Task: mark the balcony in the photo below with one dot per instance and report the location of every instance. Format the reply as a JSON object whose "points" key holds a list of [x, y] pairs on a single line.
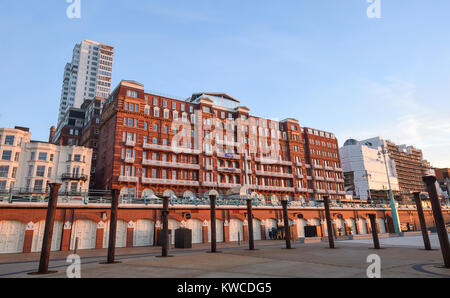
{"points": [[298, 164], [228, 170], [342, 193], [317, 166], [274, 174], [130, 143], [228, 155], [309, 177], [227, 143], [169, 182], [276, 188], [74, 177], [209, 184], [228, 185], [311, 190], [340, 180], [319, 178], [329, 168], [129, 159], [308, 166], [128, 179], [301, 189], [299, 176], [273, 161], [157, 147], [338, 170], [321, 191], [168, 164], [208, 168]]}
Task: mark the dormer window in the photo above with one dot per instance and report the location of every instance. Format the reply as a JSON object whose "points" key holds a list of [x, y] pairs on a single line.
{"points": [[131, 93]]}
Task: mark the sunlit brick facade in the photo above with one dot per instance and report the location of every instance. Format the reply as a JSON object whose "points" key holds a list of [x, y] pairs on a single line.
{"points": [[222, 147]]}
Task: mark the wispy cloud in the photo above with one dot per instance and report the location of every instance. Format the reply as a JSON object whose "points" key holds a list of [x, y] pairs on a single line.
{"points": [[408, 120]]}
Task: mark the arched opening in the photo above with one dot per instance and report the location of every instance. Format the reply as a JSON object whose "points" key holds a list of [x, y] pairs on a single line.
{"points": [[86, 232], [38, 236], [301, 224], [12, 236], [195, 226], [143, 233], [256, 229], [381, 225], [219, 231], [362, 226], [351, 226], [236, 229], [340, 227], [128, 193], [148, 193], [270, 225], [121, 234], [173, 225]]}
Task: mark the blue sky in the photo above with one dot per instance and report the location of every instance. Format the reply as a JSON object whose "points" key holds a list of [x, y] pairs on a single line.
{"points": [[323, 62]]}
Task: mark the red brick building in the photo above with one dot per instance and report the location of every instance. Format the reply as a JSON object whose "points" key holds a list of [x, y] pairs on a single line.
{"points": [[151, 143]]}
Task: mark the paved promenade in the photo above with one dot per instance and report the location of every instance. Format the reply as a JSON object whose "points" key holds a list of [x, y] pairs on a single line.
{"points": [[400, 257]]}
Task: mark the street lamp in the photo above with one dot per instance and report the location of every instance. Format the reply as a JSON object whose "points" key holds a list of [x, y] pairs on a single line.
{"points": [[394, 211]]}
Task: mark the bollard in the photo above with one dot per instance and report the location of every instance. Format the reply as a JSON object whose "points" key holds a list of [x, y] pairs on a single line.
{"points": [[239, 239], [287, 233], [212, 199], [373, 224], [113, 227], [326, 202], [251, 242], [430, 181], [423, 224], [48, 231], [165, 220]]}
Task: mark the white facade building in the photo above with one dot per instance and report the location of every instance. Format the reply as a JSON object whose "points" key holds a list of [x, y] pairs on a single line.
{"points": [[12, 145], [87, 76], [365, 161], [36, 164]]}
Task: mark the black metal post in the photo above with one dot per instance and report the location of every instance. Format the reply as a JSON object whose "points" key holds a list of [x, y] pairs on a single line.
{"points": [[287, 232], [438, 218], [212, 199], [373, 224], [251, 241], [165, 220], [113, 227], [326, 203], [48, 231], [423, 224]]}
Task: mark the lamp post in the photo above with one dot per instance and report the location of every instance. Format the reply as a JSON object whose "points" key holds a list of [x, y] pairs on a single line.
{"points": [[394, 211]]}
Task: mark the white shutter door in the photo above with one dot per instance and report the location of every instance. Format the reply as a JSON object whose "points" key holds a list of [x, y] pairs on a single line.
{"points": [[143, 233], [38, 236], [12, 236]]}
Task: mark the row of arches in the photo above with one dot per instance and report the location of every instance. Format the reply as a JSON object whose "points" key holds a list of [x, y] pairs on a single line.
{"points": [[12, 233]]}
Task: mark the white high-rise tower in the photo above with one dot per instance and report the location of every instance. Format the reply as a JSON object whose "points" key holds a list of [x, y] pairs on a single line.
{"points": [[87, 76]]}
